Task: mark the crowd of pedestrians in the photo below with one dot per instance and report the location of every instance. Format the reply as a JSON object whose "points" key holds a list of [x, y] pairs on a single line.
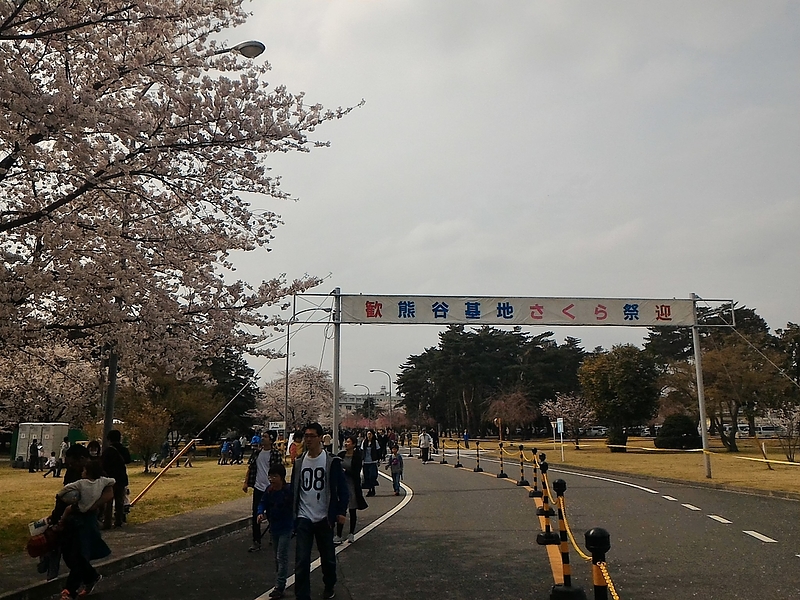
{"points": [[324, 495]]}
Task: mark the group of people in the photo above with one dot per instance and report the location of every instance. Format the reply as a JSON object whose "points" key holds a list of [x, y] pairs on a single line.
{"points": [[325, 490]]}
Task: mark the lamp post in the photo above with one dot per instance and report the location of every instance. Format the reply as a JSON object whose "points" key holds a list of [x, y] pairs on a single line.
{"points": [[286, 378], [390, 392], [369, 406]]}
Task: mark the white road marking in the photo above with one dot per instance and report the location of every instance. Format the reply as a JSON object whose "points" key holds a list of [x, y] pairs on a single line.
{"points": [[315, 565], [690, 506], [633, 485], [719, 519], [670, 498], [761, 536]]}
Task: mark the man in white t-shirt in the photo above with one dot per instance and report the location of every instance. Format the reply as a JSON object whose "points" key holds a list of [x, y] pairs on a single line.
{"points": [[257, 477], [320, 501], [425, 442]]}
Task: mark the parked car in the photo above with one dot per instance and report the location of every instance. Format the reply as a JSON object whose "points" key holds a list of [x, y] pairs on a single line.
{"points": [[596, 431]]}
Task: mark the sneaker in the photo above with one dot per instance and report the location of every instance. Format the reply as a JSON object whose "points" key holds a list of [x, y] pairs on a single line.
{"points": [[351, 538], [329, 593], [88, 589], [337, 540], [276, 593], [255, 547]]}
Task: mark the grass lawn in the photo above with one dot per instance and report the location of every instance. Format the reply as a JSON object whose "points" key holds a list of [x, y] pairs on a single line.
{"points": [[27, 496]]}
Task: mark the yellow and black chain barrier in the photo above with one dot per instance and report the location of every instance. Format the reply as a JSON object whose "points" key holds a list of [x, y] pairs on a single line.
{"points": [[603, 566]]}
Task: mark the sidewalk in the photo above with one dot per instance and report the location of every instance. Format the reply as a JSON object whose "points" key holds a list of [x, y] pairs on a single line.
{"points": [[130, 546]]}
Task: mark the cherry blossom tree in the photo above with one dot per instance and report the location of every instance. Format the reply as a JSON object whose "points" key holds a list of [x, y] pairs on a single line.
{"points": [[575, 411], [310, 398], [131, 142], [47, 384]]}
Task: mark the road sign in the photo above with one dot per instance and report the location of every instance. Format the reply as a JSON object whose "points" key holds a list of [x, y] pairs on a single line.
{"points": [[560, 425]]}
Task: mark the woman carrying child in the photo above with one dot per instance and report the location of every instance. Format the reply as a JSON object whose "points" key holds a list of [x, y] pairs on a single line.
{"points": [[80, 532], [351, 464]]}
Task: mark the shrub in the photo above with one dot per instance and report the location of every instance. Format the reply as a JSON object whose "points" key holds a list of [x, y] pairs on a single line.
{"points": [[678, 432]]}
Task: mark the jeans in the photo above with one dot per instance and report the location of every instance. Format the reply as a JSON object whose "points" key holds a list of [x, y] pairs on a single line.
{"points": [[396, 482], [371, 476], [280, 545], [257, 495], [307, 532], [118, 508]]}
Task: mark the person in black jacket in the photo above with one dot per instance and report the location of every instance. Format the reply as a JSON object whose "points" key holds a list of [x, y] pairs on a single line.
{"points": [[114, 458], [351, 464]]}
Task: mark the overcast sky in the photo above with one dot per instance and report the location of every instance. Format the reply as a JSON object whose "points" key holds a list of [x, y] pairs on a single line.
{"points": [[535, 148]]}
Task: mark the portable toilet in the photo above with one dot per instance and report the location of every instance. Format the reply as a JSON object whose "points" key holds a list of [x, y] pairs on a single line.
{"points": [[49, 435]]}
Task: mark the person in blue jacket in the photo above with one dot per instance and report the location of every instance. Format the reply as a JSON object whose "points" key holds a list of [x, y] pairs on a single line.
{"points": [[276, 508], [320, 500]]}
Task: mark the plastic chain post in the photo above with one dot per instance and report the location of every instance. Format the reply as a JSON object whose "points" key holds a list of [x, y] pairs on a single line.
{"points": [[598, 542], [547, 537], [444, 460], [502, 473], [477, 468], [535, 492], [458, 464], [565, 591], [522, 481]]}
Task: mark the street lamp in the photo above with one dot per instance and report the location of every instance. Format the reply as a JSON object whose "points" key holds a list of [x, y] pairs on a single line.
{"points": [[286, 378], [248, 49], [369, 406], [390, 392]]}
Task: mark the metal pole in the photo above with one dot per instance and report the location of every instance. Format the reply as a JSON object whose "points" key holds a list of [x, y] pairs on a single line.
{"points": [[286, 385], [337, 342], [701, 395], [108, 421], [390, 392]]}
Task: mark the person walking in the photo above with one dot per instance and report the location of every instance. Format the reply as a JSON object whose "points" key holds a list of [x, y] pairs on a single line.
{"points": [[276, 507], [466, 439], [257, 477], [320, 500], [425, 442], [62, 456], [370, 452], [395, 463], [80, 538], [351, 464], [114, 459], [33, 456]]}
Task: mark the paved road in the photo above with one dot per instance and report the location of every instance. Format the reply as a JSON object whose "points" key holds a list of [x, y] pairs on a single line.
{"points": [[464, 535]]}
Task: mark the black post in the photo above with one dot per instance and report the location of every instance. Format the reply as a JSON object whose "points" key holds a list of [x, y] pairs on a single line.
{"points": [[444, 460], [458, 464], [598, 542], [477, 468], [565, 591], [547, 537], [522, 481], [535, 492], [502, 473]]}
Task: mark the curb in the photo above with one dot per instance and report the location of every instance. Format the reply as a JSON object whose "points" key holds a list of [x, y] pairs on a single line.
{"points": [[128, 561]]}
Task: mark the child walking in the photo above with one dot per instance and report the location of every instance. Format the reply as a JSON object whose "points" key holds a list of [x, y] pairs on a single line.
{"points": [[395, 463], [276, 507]]}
